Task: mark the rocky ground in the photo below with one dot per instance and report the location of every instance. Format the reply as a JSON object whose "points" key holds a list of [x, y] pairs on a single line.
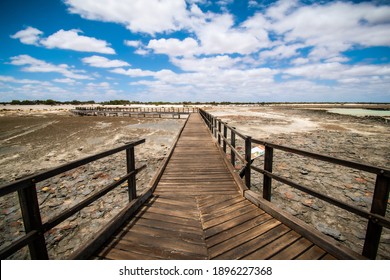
{"points": [[33, 141], [364, 140]]}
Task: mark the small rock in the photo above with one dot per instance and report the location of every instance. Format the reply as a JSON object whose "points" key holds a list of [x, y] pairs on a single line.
{"points": [[55, 204], [304, 172], [310, 203], [86, 192], [385, 238], [354, 197], [331, 232]]}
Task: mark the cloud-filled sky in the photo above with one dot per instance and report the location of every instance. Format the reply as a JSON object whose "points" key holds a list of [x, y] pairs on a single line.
{"points": [[195, 50]]}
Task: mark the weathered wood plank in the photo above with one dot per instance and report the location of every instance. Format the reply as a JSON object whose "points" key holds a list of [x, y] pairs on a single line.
{"points": [[274, 247], [293, 250], [227, 234], [254, 244], [230, 224], [242, 238], [313, 253]]}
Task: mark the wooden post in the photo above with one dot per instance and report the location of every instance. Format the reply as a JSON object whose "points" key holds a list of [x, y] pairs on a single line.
{"points": [[32, 221], [248, 148], [130, 159], [224, 135], [215, 126], [378, 206], [267, 181], [219, 132], [233, 143]]}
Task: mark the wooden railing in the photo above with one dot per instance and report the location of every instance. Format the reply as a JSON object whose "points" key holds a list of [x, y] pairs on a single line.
{"points": [[28, 199], [182, 110], [376, 216]]}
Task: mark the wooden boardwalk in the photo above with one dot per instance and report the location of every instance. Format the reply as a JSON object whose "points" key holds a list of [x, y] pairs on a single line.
{"points": [[197, 212]]}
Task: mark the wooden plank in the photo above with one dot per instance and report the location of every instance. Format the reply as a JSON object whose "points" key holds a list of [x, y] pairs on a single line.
{"points": [[179, 229], [313, 253], [293, 250], [328, 256], [254, 244], [227, 234], [221, 203], [173, 213], [194, 225], [242, 238], [170, 243], [274, 247], [231, 223], [117, 254], [215, 215], [229, 215], [146, 252], [147, 230]]}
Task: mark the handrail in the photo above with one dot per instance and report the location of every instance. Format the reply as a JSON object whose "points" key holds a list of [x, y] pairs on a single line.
{"points": [[338, 161], [38, 177], [183, 110], [28, 200], [376, 216]]}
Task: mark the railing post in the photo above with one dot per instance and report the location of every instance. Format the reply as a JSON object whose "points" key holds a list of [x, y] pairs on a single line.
{"points": [[32, 221], [378, 206], [248, 159], [215, 126], [219, 132], [267, 181], [224, 135], [131, 183], [233, 143]]}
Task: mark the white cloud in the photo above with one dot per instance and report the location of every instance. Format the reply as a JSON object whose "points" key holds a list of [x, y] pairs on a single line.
{"points": [[65, 81], [282, 51], [174, 47], [10, 79], [35, 65], [29, 36], [102, 62], [147, 16], [132, 43], [280, 9], [218, 36], [68, 40], [334, 27], [71, 40], [337, 71], [99, 85], [205, 64], [133, 72]]}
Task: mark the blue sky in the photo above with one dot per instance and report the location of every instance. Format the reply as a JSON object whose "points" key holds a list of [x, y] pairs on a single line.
{"points": [[195, 50]]}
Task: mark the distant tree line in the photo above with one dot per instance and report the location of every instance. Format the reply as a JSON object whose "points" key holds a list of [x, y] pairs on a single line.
{"points": [[157, 103], [47, 102]]}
